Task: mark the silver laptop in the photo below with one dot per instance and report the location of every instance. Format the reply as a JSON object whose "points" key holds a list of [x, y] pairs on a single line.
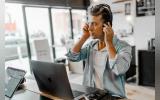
{"points": [[52, 78]]}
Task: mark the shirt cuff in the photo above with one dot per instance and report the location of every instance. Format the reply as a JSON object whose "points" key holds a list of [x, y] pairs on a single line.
{"points": [[112, 62], [74, 53], [71, 53]]}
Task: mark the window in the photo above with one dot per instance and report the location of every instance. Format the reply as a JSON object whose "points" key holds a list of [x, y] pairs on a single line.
{"points": [[15, 41], [62, 30]]}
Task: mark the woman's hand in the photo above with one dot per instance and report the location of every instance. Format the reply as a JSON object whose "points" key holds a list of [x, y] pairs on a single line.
{"points": [[108, 33], [86, 34], [108, 37]]}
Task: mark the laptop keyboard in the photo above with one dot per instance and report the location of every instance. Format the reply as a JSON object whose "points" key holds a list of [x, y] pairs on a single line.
{"points": [[97, 95], [101, 95], [77, 93]]}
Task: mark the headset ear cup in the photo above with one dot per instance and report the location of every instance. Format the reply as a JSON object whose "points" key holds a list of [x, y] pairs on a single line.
{"points": [[105, 8], [111, 18], [109, 11]]}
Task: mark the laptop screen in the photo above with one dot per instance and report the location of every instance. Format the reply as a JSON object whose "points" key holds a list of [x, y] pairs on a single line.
{"points": [[52, 78]]}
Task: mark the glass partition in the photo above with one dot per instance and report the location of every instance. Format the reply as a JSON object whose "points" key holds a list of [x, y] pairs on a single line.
{"points": [[16, 54], [39, 33], [38, 27], [62, 30], [79, 18]]}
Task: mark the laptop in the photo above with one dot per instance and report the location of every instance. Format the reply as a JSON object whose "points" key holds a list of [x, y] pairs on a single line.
{"points": [[52, 78], [14, 78]]}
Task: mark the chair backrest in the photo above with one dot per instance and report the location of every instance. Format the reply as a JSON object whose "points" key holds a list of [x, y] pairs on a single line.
{"points": [[133, 61], [42, 50], [132, 69]]}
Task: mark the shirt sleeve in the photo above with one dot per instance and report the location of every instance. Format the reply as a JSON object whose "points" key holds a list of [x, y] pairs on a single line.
{"points": [[121, 63], [75, 57]]}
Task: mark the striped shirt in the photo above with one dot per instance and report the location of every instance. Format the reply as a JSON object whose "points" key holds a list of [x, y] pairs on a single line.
{"points": [[113, 73]]}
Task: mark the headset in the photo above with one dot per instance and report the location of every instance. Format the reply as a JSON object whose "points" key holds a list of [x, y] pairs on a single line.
{"points": [[105, 6]]}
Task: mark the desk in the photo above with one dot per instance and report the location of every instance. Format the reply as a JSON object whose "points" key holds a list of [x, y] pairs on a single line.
{"points": [[31, 92], [27, 95]]}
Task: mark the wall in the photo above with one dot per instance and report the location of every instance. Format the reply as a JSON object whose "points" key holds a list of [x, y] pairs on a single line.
{"points": [[144, 27], [77, 4], [157, 55], [1, 49], [120, 23], [40, 2], [144, 31]]}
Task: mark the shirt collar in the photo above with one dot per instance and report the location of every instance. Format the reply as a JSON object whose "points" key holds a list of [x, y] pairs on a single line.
{"points": [[104, 49], [96, 48]]}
